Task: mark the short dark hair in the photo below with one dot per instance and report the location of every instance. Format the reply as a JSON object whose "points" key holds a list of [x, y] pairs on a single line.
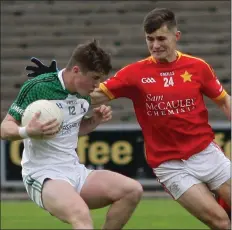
{"points": [[157, 18], [90, 57]]}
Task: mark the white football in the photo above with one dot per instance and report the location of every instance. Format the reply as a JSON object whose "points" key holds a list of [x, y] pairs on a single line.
{"points": [[48, 109]]}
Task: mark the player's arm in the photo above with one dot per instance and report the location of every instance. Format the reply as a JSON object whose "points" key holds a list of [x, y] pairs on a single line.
{"points": [[213, 89], [10, 128], [224, 105], [100, 115], [115, 87], [98, 97]]}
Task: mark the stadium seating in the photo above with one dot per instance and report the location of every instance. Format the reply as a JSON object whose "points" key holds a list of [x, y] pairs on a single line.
{"points": [[51, 29]]}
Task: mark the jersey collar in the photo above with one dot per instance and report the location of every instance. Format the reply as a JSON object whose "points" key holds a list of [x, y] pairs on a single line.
{"points": [[179, 54], [60, 76]]}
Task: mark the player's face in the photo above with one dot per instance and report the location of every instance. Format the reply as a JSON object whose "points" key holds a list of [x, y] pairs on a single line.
{"points": [[85, 83], [162, 43]]}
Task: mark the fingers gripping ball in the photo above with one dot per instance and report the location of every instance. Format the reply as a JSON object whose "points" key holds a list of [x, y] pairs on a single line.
{"points": [[49, 110]]}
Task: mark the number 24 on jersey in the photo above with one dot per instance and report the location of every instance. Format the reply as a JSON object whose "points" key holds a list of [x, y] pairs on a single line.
{"points": [[168, 81]]}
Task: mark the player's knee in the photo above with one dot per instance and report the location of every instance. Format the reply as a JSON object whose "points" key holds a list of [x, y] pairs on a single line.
{"points": [[220, 221], [222, 224], [136, 192], [79, 215]]}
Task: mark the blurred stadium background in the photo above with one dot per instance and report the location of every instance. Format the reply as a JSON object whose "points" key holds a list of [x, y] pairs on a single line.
{"points": [[50, 30]]}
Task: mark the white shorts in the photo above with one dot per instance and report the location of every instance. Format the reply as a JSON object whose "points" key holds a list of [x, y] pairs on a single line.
{"points": [[210, 166], [34, 182]]}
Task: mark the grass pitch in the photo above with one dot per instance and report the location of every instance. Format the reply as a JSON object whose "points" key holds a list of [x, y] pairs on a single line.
{"points": [[150, 214]]}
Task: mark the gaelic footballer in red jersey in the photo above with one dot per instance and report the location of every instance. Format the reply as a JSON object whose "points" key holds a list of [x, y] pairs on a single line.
{"points": [[169, 105], [167, 92]]}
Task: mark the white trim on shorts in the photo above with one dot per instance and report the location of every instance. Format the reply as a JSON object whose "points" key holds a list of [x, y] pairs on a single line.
{"points": [[34, 182], [34, 189]]}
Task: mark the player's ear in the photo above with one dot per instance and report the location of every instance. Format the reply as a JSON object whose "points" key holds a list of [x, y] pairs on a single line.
{"points": [[178, 35], [75, 69]]}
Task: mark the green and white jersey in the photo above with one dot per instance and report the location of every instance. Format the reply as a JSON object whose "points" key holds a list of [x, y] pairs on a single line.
{"points": [[60, 150]]}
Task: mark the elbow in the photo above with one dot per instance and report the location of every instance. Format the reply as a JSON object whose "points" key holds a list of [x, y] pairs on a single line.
{"points": [[9, 130], [227, 112], [3, 134], [7, 137], [82, 133]]}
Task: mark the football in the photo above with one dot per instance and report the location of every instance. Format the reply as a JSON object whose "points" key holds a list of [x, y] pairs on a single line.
{"points": [[48, 109]]}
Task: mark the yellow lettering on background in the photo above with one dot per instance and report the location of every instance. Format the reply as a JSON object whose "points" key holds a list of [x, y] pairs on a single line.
{"points": [[99, 152], [226, 145], [122, 152], [14, 149]]}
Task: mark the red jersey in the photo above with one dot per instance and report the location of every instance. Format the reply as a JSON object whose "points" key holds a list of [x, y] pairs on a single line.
{"points": [[168, 102]]}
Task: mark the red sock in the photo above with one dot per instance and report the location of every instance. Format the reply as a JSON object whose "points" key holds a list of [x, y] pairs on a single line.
{"points": [[225, 206]]}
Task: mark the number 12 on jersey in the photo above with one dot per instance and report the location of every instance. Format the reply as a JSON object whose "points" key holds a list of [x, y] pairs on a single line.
{"points": [[72, 110], [168, 81]]}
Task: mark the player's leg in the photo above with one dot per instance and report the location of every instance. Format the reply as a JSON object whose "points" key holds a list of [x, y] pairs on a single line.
{"points": [[199, 201], [224, 191], [220, 183], [60, 198], [180, 179], [213, 168], [103, 187], [223, 204]]}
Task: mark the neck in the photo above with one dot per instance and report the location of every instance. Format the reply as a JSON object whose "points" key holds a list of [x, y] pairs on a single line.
{"points": [[171, 58], [67, 78]]}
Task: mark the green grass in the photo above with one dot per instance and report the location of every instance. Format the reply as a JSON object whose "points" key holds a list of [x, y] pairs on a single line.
{"points": [[153, 214]]}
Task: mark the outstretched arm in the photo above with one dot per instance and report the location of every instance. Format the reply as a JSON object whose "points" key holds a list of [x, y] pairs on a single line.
{"points": [[98, 97], [224, 105], [212, 88]]}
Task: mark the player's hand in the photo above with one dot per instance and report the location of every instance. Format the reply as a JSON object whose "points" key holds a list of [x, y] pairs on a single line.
{"points": [[40, 68], [37, 129], [102, 114]]}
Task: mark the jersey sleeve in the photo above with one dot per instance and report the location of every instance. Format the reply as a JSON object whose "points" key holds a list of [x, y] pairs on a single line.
{"points": [[27, 94], [211, 86], [119, 85]]}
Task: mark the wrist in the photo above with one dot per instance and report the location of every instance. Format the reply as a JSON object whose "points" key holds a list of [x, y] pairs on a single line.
{"points": [[23, 132], [95, 120]]}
